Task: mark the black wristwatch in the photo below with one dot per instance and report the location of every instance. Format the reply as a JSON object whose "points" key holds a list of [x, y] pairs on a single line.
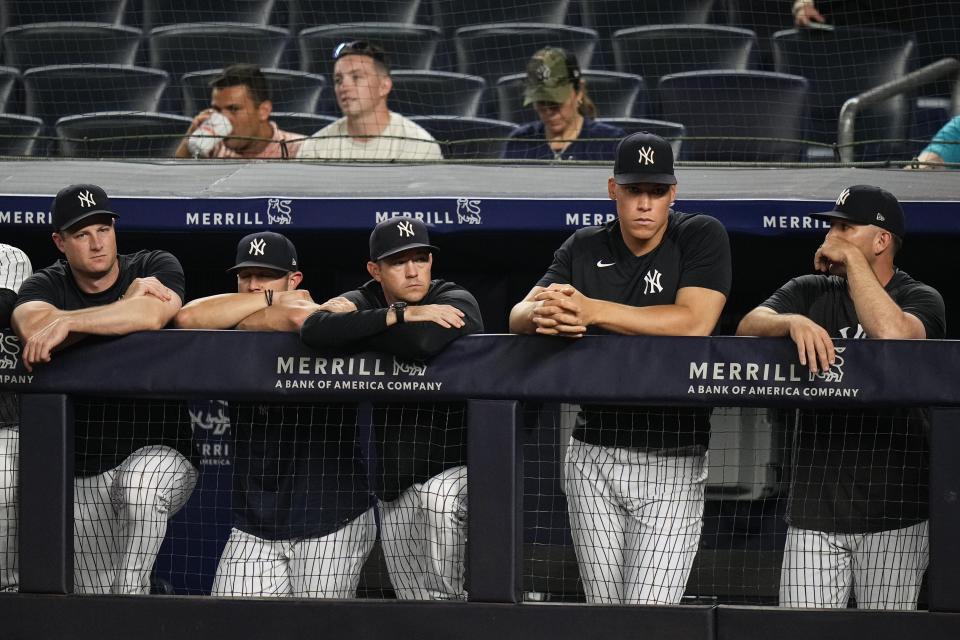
{"points": [[399, 308]]}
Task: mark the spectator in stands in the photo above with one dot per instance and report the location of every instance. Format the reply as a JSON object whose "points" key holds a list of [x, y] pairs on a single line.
{"points": [[368, 130], [303, 521], [422, 482], [944, 148], [242, 94], [858, 499], [133, 468], [567, 129], [15, 267], [634, 477]]}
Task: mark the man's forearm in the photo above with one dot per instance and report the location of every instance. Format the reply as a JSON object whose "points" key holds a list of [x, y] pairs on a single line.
{"points": [[878, 314], [765, 322], [658, 320], [223, 311], [521, 317], [143, 313], [325, 329]]}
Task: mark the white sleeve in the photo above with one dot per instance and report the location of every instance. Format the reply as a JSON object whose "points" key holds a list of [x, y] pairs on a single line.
{"points": [[15, 267]]}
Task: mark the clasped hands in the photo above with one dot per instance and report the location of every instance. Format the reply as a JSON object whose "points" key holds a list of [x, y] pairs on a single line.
{"points": [[561, 310]]}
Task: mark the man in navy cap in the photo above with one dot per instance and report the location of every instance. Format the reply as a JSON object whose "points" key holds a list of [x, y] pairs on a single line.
{"points": [[634, 477], [134, 460], [303, 521], [858, 487], [422, 480]]}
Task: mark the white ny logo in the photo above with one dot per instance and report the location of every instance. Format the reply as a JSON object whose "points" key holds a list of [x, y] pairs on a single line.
{"points": [[842, 200], [405, 229], [652, 282], [86, 199], [646, 155], [257, 247]]}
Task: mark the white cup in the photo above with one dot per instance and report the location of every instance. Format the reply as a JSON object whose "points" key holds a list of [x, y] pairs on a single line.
{"points": [[208, 134]]}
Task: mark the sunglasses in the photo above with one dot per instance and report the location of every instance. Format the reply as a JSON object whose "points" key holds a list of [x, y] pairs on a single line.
{"points": [[361, 48]]}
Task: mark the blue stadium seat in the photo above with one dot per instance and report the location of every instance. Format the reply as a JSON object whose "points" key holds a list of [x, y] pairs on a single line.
{"points": [[182, 48], [8, 82], [18, 134], [306, 124], [496, 50], [759, 104], [467, 138], [17, 12], [842, 63], [615, 94], [407, 46], [62, 90], [50, 43], [160, 13], [436, 93], [289, 90], [310, 13], [146, 135], [454, 15], [667, 130]]}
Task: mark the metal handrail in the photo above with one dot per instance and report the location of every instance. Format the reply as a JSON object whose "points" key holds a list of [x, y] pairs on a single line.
{"points": [[914, 79]]}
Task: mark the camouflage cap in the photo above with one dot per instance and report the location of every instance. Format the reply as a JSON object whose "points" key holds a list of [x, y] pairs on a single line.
{"points": [[552, 75]]}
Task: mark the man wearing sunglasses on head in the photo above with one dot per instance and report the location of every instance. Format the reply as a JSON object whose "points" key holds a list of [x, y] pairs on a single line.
{"points": [[368, 130], [634, 476]]}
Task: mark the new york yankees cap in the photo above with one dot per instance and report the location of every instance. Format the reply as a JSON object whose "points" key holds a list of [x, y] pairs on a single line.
{"points": [[864, 204], [78, 202], [552, 75], [644, 157], [394, 235], [266, 249]]}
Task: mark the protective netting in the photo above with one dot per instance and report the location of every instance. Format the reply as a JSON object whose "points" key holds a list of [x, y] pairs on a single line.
{"points": [[732, 80]]}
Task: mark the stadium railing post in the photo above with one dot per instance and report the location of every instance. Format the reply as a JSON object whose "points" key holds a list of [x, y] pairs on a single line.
{"points": [[46, 493], [943, 574], [495, 515]]}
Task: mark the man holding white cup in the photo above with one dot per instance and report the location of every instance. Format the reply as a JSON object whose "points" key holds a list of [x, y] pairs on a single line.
{"points": [[237, 124]]}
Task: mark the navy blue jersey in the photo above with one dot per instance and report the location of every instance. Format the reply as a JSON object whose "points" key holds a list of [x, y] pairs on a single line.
{"points": [[297, 469], [529, 142]]}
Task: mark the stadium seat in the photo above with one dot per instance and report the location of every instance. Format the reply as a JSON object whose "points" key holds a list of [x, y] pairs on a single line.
{"points": [[18, 134], [306, 124], [305, 14], [496, 50], [840, 64], [18, 12], [50, 43], [615, 94], [8, 81], [160, 13], [607, 16], [454, 15], [466, 138], [653, 52], [436, 93], [289, 90], [407, 46], [667, 130], [182, 48], [146, 135], [63, 90], [759, 104]]}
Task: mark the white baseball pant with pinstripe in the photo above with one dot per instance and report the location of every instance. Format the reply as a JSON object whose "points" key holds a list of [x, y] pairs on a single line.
{"points": [[883, 569], [423, 534], [636, 518], [325, 567]]}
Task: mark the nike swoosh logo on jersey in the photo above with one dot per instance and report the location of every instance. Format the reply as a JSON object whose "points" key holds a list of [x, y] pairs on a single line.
{"points": [[602, 264]]}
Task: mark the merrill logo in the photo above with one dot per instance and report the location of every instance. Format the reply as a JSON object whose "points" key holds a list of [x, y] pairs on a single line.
{"points": [[835, 372], [408, 368], [468, 211], [279, 211], [219, 424], [9, 351]]}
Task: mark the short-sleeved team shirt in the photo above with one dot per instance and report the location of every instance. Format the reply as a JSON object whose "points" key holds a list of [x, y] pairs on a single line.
{"points": [[694, 252], [402, 139], [107, 431], [858, 471], [597, 141], [946, 143]]}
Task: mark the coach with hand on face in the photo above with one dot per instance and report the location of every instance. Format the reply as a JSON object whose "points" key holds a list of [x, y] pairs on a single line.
{"points": [[422, 482]]}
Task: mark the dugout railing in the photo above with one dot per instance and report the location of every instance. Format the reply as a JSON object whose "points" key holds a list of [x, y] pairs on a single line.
{"points": [[494, 374]]}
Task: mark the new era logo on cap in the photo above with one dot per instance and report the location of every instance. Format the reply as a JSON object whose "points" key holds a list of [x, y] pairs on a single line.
{"points": [[266, 249], [644, 157], [865, 204]]}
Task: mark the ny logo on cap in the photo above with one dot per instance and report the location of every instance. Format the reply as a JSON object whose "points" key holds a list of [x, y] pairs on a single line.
{"points": [[646, 155], [257, 247], [86, 198], [405, 229], [842, 200], [543, 72]]}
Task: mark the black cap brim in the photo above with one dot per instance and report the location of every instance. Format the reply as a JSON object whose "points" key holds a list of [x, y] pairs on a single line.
{"points": [[406, 247], [89, 214], [652, 178], [257, 265]]}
